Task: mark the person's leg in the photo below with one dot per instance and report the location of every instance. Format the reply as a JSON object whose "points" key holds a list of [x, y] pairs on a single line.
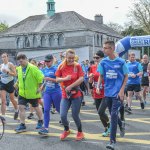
{"points": [[138, 95], [3, 103], [64, 107], [76, 105], [145, 89], [114, 118], [103, 116], [122, 112], [56, 97], [47, 105], [22, 113], [130, 94], [22, 104], [14, 102]]}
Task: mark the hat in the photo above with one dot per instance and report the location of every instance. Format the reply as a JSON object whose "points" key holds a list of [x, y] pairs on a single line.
{"points": [[49, 57]]}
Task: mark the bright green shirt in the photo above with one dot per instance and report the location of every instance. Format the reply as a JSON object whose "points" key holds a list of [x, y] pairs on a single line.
{"points": [[29, 81]]}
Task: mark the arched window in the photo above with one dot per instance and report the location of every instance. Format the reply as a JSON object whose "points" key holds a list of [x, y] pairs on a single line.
{"points": [[51, 40], [35, 41], [43, 41], [18, 43], [61, 40], [27, 42], [101, 41], [98, 40]]}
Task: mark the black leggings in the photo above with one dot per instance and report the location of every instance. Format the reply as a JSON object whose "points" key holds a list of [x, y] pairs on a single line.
{"points": [[101, 108]]}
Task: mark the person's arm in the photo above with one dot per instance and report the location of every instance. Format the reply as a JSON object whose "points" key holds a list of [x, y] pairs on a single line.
{"points": [[75, 84], [140, 68], [60, 79], [148, 68], [121, 93], [100, 78], [125, 71], [12, 71], [49, 79]]}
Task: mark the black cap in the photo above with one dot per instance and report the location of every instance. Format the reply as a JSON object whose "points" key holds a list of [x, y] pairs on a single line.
{"points": [[48, 57]]}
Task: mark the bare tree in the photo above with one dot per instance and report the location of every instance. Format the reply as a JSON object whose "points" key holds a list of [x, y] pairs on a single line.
{"points": [[140, 13], [115, 26]]}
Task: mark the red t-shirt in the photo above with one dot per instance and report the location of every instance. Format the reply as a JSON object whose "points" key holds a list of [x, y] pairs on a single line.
{"points": [[75, 71], [93, 69]]}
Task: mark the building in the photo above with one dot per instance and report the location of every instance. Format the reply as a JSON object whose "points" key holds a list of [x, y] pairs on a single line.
{"points": [[53, 32]]}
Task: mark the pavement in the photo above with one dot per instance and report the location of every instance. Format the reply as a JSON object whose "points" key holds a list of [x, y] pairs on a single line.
{"points": [[137, 132]]}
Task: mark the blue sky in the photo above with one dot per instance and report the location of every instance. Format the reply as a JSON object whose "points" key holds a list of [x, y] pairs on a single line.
{"points": [[13, 11]]}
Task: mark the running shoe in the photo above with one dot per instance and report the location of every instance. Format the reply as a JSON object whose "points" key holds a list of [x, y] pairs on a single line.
{"points": [[60, 122], [64, 135], [128, 110], [111, 146], [122, 129], [53, 111], [39, 124], [21, 128], [79, 136], [31, 116], [83, 103], [106, 133], [142, 105], [43, 131], [16, 115]]}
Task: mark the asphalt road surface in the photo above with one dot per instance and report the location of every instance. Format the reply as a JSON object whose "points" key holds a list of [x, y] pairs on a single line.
{"points": [[137, 132]]}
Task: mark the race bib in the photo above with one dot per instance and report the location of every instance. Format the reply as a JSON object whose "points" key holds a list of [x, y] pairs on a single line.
{"points": [[111, 74], [145, 74], [95, 85], [50, 84]]}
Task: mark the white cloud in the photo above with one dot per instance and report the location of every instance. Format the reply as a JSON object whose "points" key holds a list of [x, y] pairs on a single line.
{"points": [[13, 11]]}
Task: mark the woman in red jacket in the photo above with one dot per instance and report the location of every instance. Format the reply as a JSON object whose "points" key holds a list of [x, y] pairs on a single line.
{"points": [[70, 75], [99, 98]]}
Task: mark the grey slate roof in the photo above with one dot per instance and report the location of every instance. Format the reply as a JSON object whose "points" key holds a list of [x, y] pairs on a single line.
{"points": [[60, 22]]}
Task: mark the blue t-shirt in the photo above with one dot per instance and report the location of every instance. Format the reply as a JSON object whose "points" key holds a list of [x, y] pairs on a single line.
{"points": [[50, 86], [134, 68], [113, 72]]}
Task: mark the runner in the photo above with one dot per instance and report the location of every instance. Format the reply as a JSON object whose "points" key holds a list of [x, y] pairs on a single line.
{"points": [[145, 76], [134, 83], [30, 79], [31, 115], [52, 92], [99, 98], [8, 72], [114, 72], [71, 75]]}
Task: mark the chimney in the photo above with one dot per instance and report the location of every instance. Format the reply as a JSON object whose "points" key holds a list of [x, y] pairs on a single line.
{"points": [[99, 18]]}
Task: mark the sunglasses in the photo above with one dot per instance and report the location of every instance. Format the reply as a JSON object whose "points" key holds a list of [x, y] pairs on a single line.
{"points": [[48, 61], [96, 57]]}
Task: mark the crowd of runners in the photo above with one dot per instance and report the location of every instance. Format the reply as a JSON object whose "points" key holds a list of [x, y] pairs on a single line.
{"points": [[59, 85]]}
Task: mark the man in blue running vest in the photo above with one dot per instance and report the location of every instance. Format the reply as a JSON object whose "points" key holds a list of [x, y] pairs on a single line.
{"points": [[134, 81], [115, 74]]}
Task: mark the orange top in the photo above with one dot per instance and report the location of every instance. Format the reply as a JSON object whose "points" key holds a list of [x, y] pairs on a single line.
{"points": [[75, 71]]}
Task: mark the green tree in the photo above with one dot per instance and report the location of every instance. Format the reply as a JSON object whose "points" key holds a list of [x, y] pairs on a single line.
{"points": [[140, 14], [3, 26], [133, 31]]}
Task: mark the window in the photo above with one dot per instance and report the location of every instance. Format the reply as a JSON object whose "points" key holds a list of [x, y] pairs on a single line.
{"points": [[98, 40], [26, 42], [18, 43], [35, 41], [43, 41], [101, 40], [60, 40], [51, 40]]}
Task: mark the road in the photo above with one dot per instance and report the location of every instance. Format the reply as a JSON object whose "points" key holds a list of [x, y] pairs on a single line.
{"points": [[137, 132]]}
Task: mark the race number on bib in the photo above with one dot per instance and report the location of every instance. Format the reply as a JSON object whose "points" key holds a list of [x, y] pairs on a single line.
{"points": [[111, 74]]}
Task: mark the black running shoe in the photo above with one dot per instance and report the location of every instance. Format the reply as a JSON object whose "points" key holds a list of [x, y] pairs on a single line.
{"points": [[142, 105], [31, 115], [16, 115]]}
